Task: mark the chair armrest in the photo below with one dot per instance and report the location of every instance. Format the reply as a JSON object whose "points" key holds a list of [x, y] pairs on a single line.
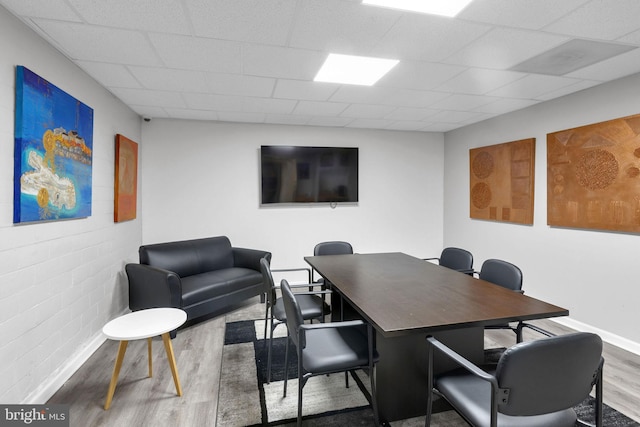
{"points": [[522, 325], [151, 287], [345, 324], [467, 365], [430, 259], [462, 361], [249, 258], [284, 270]]}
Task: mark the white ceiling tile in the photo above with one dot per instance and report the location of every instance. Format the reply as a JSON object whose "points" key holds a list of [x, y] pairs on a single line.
{"points": [[387, 96], [110, 75], [532, 86], [479, 81], [505, 105], [427, 38], [150, 15], [197, 53], [296, 64], [58, 10], [411, 114], [518, 13], [149, 97], [370, 124], [100, 44], [419, 75], [407, 125], [286, 119], [330, 121], [576, 87], [260, 21], [365, 111], [177, 113], [298, 89], [503, 48], [313, 108], [150, 111], [169, 79], [453, 116], [599, 19], [631, 38], [233, 84], [255, 60], [241, 117], [207, 101], [614, 68], [440, 127], [267, 105], [463, 102], [340, 26]]}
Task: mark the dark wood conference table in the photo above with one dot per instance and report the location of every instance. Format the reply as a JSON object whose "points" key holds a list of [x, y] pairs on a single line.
{"points": [[405, 299]]}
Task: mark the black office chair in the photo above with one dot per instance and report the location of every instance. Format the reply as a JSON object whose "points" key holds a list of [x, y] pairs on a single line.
{"points": [[508, 276], [311, 304], [535, 383], [334, 247], [325, 348], [456, 259]]}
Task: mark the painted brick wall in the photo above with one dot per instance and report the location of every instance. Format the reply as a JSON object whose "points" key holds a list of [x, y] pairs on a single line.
{"points": [[59, 281]]}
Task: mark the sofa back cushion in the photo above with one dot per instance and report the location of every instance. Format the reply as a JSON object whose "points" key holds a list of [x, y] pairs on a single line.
{"points": [[189, 257]]}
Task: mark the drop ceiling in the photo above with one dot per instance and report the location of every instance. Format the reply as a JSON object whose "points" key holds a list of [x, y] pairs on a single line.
{"points": [[254, 60]]}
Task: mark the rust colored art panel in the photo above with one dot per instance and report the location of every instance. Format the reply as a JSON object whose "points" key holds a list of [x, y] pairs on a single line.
{"points": [[126, 179], [501, 181], [593, 176]]}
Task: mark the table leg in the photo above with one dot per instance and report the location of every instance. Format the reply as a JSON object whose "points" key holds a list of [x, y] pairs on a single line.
{"points": [[149, 350], [116, 371], [172, 361]]}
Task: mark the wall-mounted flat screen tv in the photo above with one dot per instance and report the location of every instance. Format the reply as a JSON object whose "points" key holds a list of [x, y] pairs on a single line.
{"points": [[308, 174]]}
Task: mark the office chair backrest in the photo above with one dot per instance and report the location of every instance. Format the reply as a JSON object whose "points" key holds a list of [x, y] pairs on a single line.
{"points": [[333, 248], [293, 313], [501, 273], [549, 374], [267, 281], [456, 259]]}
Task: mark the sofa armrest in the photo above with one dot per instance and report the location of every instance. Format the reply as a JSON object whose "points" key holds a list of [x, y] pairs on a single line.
{"points": [[249, 258], [151, 287]]}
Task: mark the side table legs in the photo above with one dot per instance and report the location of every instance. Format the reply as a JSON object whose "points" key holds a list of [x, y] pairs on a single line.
{"points": [[116, 371], [172, 362], [122, 348]]}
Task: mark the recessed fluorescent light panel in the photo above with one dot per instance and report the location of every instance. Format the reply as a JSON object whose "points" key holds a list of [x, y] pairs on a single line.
{"points": [[434, 7], [354, 70]]}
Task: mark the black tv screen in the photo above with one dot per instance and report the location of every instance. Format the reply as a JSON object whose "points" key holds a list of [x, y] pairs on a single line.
{"points": [[308, 174]]}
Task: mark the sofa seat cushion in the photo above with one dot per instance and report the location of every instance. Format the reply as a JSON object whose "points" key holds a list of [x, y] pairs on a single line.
{"points": [[212, 284]]}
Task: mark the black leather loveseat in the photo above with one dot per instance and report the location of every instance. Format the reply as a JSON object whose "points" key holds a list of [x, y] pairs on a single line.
{"points": [[201, 276]]}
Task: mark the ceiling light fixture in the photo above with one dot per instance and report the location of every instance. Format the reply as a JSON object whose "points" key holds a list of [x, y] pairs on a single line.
{"points": [[354, 70], [448, 8]]}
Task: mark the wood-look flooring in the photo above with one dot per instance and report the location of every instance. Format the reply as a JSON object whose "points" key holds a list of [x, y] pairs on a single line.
{"points": [[143, 401]]}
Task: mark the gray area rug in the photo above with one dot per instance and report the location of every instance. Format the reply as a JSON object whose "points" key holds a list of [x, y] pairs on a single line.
{"points": [[245, 399]]}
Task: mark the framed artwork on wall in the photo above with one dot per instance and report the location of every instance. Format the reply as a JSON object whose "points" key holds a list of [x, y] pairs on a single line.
{"points": [[126, 179], [502, 181], [53, 152], [593, 176]]}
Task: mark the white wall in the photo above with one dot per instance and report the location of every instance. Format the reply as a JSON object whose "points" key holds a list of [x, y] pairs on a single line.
{"points": [[202, 179], [59, 281], [592, 273]]}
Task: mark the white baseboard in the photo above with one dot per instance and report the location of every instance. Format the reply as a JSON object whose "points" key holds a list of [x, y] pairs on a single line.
{"points": [[62, 375], [607, 337]]}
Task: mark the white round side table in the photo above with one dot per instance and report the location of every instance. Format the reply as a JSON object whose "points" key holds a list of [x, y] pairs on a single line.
{"points": [[139, 325]]}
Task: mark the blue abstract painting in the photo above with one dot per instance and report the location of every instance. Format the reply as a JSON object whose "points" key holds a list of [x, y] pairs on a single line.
{"points": [[53, 152]]}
